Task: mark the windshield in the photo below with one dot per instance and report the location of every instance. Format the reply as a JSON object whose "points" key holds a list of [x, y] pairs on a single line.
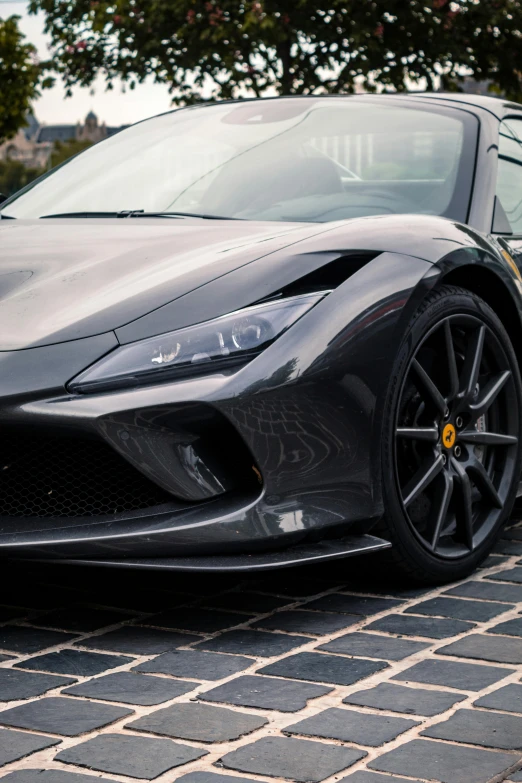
{"points": [[300, 159]]}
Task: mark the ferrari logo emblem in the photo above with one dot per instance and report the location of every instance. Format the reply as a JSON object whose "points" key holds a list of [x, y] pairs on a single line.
{"points": [[449, 436]]}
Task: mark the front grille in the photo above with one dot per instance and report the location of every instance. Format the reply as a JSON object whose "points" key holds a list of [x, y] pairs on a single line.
{"points": [[68, 477]]}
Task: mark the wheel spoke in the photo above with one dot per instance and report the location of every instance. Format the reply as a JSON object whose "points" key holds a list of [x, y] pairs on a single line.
{"points": [[472, 362], [484, 484], [477, 438], [452, 361], [466, 521], [426, 385], [422, 479], [489, 393], [442, 510], [419, 433]]}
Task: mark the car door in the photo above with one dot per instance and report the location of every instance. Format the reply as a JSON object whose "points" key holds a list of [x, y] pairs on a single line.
{"points": [[508, 205]]}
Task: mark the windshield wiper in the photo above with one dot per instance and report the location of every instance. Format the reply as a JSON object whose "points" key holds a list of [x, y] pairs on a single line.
{"points": [[81, 215], [141, 213], [132, 213]]}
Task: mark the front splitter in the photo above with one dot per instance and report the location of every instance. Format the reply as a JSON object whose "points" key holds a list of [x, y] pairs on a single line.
{"points": [[300, 554]]}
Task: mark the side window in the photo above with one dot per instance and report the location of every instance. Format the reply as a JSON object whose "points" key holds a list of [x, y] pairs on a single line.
{"points": [[509, 177]]}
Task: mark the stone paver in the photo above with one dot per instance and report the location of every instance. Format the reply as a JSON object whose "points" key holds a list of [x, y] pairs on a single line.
{"points": [[19, 639], [50, 776], [509, 547], [197, 620], [443, 762], [477, 611], [119, 675], [509, 628], [267, 693], [78, 663], [493, 560], [199, 722], [131, 688], [463, 676], [196, 664], [318, 667], [68, 717], [318, 623], [353, 604], [398, 698], [251, 603], [485, 648], [137, 640], [16, 745], [508, 699], [258, 643], [212, 777], [487, 591], [511, 575], [371, 645], [427, 627], [138, 757], [473, 727], [15, 685], [295, 759], [512, 534], [351, 726], [82, 619]]}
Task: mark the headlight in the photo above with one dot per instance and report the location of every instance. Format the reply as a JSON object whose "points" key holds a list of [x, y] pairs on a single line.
{"points": [[201, 349]]}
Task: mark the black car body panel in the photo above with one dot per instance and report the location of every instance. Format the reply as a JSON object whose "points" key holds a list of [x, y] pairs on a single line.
{"points": [[281, 449], [68, 279]]}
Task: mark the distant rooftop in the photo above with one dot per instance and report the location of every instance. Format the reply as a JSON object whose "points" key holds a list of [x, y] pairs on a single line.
{"points": [[54, 133]]}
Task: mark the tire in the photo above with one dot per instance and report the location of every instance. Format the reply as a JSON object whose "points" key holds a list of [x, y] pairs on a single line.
{"points": [[451, 445]]}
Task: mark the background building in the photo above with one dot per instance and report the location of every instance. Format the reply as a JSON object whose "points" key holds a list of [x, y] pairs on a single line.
{"points": [[34, 144]]}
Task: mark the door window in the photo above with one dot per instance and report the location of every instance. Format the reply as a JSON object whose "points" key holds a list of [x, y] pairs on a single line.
{"points": [[509, 177]]}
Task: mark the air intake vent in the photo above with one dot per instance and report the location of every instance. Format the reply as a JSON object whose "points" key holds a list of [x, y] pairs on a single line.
{"points": [[61, 477]]}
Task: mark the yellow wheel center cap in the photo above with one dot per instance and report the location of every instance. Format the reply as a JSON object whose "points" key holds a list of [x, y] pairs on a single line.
{"points": [[449, 436]]}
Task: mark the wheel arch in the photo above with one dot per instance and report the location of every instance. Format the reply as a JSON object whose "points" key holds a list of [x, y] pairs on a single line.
{"points": [[487, 284]]}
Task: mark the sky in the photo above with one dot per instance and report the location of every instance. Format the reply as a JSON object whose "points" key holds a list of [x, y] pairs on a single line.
{"points": [[114, 108]]}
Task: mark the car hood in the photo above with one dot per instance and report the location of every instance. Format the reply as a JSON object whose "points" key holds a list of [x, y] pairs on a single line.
{"points": [[73, 278]]}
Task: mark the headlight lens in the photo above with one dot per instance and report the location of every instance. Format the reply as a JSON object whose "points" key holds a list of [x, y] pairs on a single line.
{"points": [[200, 349]]}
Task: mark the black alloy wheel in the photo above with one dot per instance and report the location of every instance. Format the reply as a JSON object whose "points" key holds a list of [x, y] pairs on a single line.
{"points": [[452, 441]]}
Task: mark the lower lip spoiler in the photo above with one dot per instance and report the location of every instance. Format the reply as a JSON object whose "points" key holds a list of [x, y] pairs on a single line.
{"points": [[301, 554]]}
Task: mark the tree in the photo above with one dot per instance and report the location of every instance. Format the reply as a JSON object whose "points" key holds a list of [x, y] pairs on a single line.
{"points": [[232, 48], [20, 77], [15, 176]]}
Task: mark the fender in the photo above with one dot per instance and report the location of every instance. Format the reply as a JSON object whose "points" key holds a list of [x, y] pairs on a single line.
{"points": [[420, 236]]}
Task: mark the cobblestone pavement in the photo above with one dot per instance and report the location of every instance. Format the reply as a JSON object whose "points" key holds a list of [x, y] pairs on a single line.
{"points": [[311, 674]]}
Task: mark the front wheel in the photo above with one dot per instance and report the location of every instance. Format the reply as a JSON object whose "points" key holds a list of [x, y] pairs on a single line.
{"points": [[451, 439]]}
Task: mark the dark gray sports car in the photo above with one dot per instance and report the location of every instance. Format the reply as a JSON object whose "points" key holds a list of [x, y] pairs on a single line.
{"points": [[258, 333]]}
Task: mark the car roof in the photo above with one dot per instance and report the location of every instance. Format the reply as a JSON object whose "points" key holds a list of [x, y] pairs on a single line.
{"points": [[497, 106]]}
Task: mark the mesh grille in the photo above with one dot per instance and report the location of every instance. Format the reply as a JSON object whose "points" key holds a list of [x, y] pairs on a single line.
{"points": [[55, 477]]}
